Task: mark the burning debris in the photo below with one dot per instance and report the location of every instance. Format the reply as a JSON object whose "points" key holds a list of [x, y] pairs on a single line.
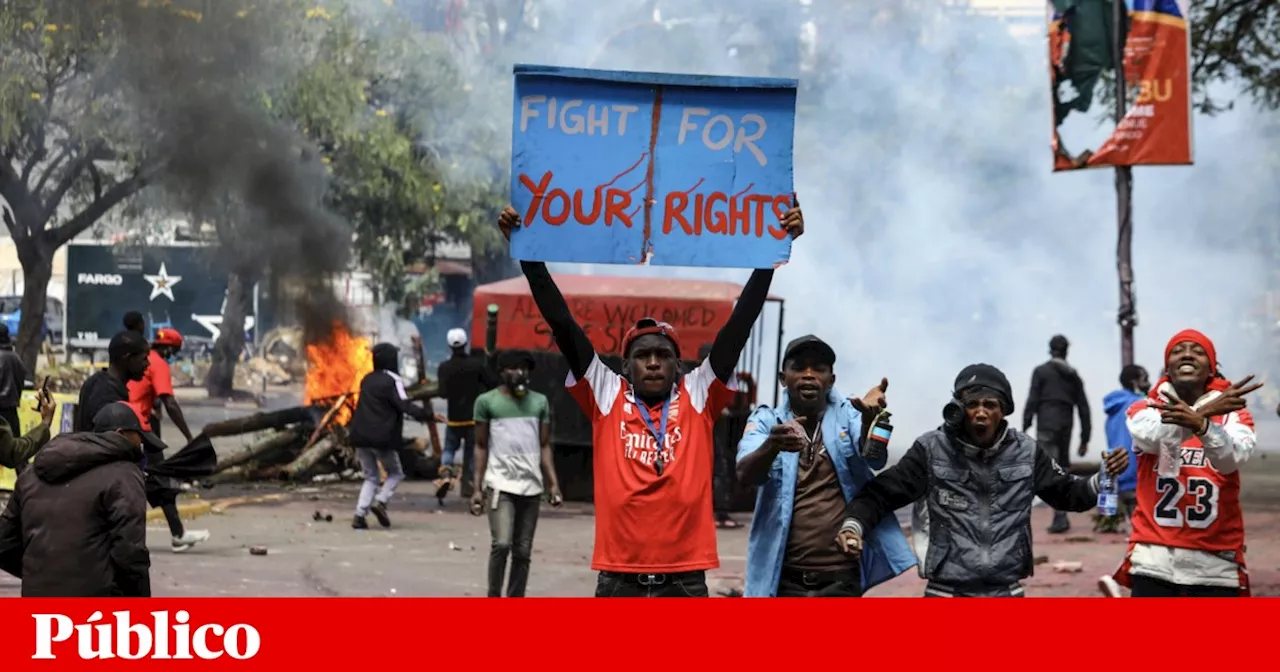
{"points": [[310, 439], [309, 442]]}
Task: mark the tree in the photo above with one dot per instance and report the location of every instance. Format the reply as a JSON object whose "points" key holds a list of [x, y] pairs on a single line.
{"points": [[64, 162], [1236, 41]]}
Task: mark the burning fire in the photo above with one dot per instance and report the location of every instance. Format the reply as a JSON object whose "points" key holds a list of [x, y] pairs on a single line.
{"points": [[335, 368]]}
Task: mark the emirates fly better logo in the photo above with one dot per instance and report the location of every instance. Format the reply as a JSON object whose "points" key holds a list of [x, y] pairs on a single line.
{"points": [[161, 639]]}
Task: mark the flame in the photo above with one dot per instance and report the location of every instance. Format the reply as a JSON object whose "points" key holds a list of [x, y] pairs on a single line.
{"points": [[336, 367]]}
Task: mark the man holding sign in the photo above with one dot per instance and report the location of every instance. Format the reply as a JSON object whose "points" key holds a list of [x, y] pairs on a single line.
{"points": [[652, 432]]}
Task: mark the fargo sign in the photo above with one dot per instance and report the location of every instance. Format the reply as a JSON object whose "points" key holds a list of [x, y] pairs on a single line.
{"points": [[634, 168]]}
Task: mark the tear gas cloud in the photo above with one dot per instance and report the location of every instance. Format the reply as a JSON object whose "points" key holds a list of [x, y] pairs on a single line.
{"points": [[936, 234], [225, 158]]}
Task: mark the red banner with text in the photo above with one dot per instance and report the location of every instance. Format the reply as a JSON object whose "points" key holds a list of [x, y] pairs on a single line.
{"points": [[1156, 129]]}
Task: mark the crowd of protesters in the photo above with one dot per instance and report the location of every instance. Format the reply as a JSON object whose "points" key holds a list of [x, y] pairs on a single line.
{"points": [[823, 524]]}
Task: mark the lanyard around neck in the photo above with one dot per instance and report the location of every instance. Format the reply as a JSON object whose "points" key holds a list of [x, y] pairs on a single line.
{"points": [[659, 433]]}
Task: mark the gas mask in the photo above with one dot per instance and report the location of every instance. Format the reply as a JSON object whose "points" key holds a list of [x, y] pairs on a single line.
{"points": [[516, 380]]}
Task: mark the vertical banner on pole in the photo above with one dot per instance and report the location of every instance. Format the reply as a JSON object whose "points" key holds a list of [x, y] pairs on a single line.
{"points": [[1156, 128]]}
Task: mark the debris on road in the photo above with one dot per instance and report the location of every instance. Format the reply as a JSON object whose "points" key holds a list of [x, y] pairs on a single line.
{"points": [[322, 515], [257, 550], [1041, 559], [1068, 567]]}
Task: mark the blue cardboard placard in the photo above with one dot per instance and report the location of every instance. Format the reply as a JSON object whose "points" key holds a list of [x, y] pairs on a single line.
{"points": [[671, 170]]}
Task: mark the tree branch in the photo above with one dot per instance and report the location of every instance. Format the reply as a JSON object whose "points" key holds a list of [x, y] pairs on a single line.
{"points": [[89, 216], [73, 172], [54, 164], [97, 181]]}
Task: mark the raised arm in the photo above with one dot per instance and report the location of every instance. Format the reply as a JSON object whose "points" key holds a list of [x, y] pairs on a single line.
{"points": [[570, 337], [732, 338]]}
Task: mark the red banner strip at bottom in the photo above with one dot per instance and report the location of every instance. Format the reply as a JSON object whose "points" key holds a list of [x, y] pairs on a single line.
{"points": [[613, 635]]}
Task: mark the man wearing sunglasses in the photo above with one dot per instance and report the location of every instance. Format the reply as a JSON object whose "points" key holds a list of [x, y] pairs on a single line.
{"points": [[653, 436]]}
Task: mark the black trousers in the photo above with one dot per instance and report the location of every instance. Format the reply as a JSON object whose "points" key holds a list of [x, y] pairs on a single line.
{"points": [[511, 526], [1144, 586], [684, 584], [797, 583]]}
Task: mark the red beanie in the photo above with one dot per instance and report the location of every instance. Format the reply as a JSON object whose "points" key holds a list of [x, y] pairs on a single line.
{"points": [[1193, 336]]}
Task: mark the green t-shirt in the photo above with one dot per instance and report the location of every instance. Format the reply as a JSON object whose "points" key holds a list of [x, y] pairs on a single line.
{"points": [[515, 445]]}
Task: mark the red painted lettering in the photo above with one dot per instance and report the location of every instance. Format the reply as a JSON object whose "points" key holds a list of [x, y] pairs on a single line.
{"points": [[615, 207], [758, 201], [739, 216], [716, 221], [781, 204], [563, 215], [580, 215], [539, 190], [674, 210]]}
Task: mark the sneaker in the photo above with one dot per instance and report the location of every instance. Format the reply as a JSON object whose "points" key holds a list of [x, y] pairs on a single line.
{"points": [[359, 523], [188, 539], [443, 491], [1060, 524], [1109, 587], [379, 511]]}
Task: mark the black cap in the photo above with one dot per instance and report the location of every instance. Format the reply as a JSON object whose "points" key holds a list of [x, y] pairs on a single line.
{"points": [[120, 415], [810, 342], [985, 376], [126, 343]]}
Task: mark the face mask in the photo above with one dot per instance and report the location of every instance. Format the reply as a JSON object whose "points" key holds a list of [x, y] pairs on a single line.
{"points": [[518, 383]]}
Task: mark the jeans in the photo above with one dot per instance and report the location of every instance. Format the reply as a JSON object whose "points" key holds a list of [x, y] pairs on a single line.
{"points": [[684, 584], [820, 584], [1144, 586], [459, 448], [369, 459], [511, 526]]}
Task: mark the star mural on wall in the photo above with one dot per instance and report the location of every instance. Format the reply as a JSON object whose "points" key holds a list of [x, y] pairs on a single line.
{"points": [[214, 322], [162, 283]]}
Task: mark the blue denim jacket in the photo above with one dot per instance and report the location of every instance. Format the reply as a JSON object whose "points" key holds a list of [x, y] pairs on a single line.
{"points": [[885, 552]]}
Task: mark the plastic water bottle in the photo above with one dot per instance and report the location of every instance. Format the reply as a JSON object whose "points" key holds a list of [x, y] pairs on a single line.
{"points": [[1108, 496], [1170, 458]]}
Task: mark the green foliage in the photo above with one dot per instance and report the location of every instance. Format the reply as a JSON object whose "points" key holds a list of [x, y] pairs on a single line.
{"points": [[1236, 41], [387, 107]]}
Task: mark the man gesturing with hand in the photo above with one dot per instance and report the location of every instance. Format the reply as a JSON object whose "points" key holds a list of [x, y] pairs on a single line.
{"points": [[1188, 529], [809, 458]]}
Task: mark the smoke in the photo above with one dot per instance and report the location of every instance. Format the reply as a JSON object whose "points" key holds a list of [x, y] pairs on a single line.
{"points": [[196, 75], [937, 235]]}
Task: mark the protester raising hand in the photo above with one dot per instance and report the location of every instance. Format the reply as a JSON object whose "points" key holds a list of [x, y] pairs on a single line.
{"points": [[1231, 400], [874, 400]]}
